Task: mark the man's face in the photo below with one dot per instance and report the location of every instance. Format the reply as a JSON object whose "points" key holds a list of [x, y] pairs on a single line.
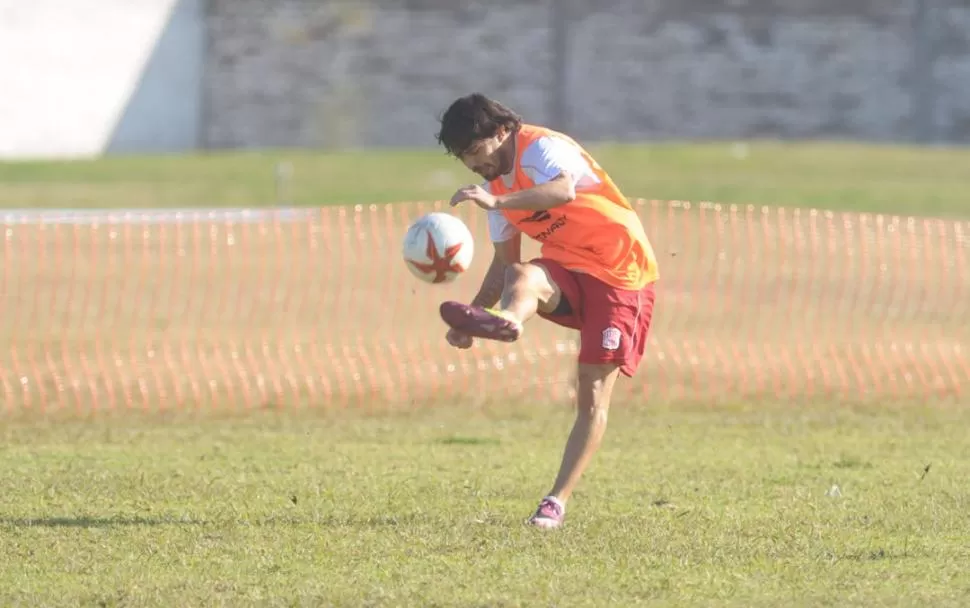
{"points": [[490, 157]]}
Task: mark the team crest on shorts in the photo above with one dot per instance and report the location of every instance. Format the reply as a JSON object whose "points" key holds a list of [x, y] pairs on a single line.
{"points": [[611, 338]]}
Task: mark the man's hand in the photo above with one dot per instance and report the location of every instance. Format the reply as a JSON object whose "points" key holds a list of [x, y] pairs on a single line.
{"points": [[478, 195], [458, 339]]}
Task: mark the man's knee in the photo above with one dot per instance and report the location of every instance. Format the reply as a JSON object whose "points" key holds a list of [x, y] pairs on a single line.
{"points": [[533, 277], [594, 388], [519, 272]]}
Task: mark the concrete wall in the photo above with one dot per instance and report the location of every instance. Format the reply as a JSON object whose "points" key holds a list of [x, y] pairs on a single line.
{"points": [[338, 73], [89, 77], [80, 78]]}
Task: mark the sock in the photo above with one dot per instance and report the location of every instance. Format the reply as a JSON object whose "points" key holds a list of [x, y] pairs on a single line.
{"points": [[562, 505]]}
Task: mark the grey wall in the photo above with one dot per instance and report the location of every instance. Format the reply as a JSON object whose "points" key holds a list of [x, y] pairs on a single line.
{"points": [[342, 73], [165, 109]]}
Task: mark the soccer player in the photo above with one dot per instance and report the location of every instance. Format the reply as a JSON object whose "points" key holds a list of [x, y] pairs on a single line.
{"points": [[595, 274]]}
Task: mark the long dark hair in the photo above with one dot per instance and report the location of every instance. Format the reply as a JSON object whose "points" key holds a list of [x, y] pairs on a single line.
{"points": [[471, 118]]}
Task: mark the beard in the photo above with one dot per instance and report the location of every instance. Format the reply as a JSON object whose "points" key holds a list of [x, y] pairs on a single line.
{"points": [[491, 175]]}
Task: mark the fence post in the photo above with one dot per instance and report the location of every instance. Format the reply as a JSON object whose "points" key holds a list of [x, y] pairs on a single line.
{"points": [[560, 12], [924, 94]]}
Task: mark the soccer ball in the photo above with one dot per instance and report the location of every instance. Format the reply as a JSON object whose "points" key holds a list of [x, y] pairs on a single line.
{"points": [[438, 247]]}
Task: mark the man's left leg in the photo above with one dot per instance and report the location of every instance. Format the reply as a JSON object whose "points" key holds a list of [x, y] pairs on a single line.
{"points": [[593, 392], [613, 337]]}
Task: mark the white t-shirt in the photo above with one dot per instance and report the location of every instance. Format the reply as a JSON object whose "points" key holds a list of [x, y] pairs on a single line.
{"points": [[542, 161]]}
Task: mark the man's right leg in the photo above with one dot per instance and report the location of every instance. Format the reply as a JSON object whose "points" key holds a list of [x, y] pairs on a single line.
{"points": [[529, 289]]}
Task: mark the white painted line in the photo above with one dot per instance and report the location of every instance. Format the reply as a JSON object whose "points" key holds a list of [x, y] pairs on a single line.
{"points": [[88, 217]]}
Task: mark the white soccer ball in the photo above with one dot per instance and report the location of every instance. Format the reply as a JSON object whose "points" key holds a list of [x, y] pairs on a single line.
{"points": [[438, 247]]}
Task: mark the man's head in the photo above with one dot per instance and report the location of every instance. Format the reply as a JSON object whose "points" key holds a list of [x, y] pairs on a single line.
{"points": [[479, 132]]}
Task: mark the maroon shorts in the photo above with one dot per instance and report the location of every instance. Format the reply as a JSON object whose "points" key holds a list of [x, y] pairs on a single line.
{"points": [[613, 323]]}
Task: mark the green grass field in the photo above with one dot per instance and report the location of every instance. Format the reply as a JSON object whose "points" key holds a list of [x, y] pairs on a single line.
{"points": [[686, 504], [931, 181], [683, 506]]}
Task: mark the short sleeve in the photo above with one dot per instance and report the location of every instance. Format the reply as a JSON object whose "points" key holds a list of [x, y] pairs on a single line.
{"points": [[547, 157], [499, 228]]}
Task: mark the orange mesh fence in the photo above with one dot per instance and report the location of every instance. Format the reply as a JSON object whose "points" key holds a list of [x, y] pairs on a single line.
{"points": [[314, 308]]}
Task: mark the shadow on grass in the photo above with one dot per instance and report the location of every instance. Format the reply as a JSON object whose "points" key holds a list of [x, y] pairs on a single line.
{"points": [[347, 520], [319, 520], [468, 441], [95, 522]]}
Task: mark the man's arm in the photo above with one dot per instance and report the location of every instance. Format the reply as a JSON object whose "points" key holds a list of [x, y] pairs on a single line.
{"points": [[553, 193], [558, 168], [506, 252]]}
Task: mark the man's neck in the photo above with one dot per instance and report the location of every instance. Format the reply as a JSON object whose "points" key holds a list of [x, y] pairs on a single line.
{"points": [[513, 144]]}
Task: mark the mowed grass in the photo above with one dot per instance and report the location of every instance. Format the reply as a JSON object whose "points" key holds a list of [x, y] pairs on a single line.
{"points": [[768, 505], [890, 179], [684, 505]]}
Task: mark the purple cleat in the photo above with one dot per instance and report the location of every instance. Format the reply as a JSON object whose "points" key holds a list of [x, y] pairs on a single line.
{"points": [[481, 322], [550, 514]]}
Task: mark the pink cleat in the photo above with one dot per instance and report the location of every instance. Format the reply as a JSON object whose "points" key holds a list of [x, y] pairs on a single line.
{"points": [[481, 322], [550, 514]]}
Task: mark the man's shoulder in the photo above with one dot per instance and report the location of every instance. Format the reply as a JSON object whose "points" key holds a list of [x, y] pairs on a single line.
{"points": [[543, 137], [538, 131]]}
